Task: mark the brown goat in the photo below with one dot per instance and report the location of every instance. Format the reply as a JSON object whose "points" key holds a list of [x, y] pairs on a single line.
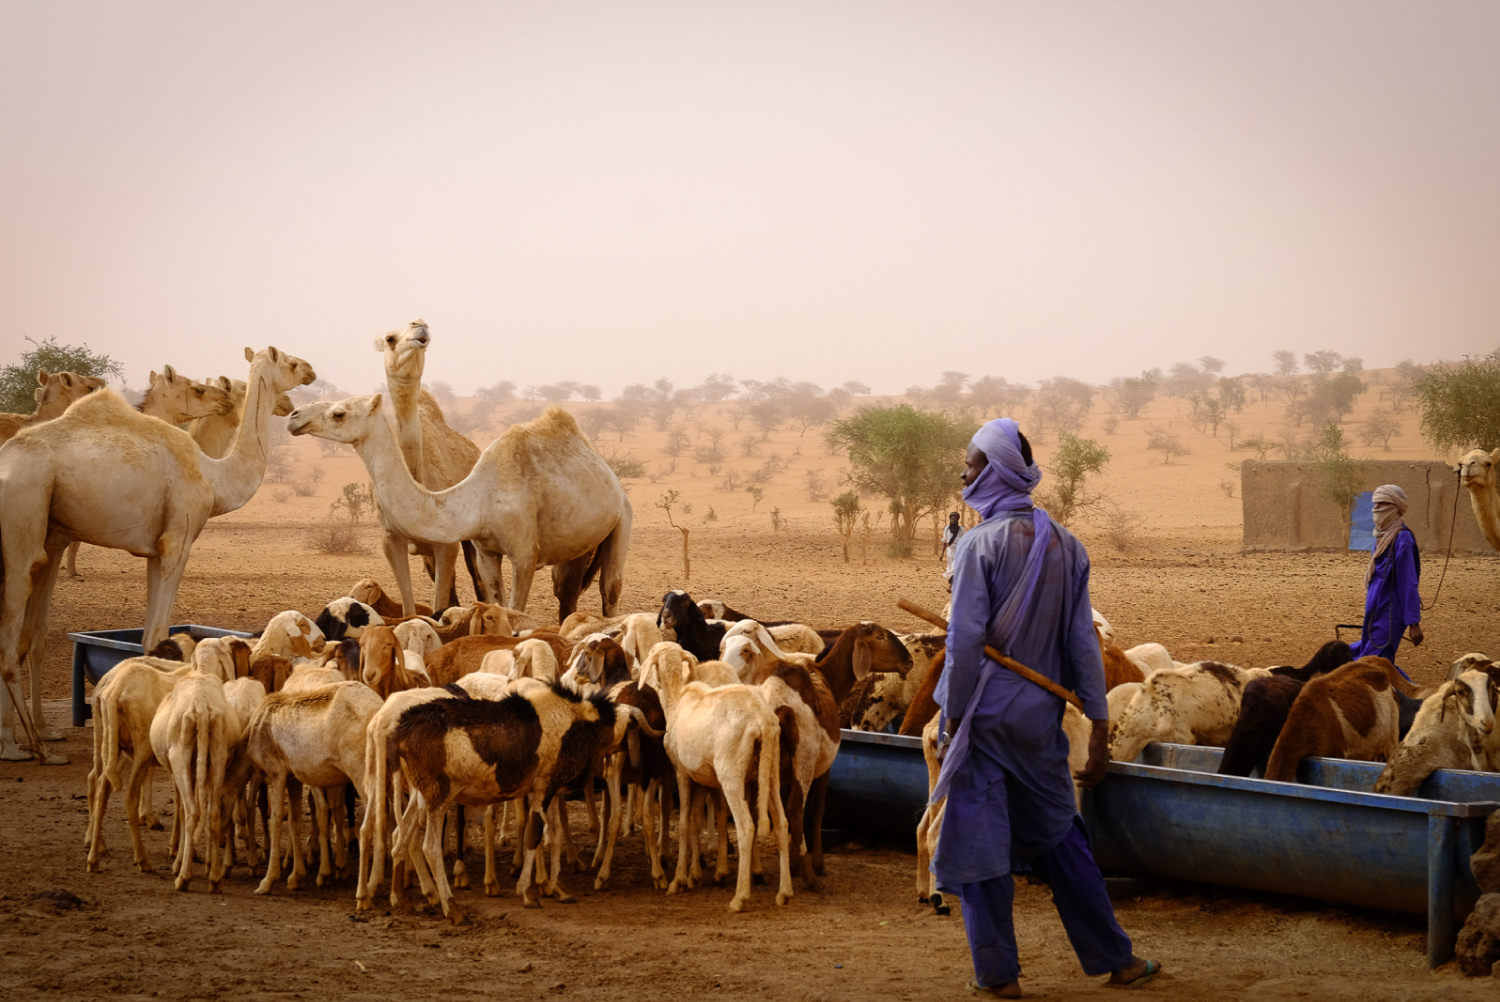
{"points": [[1349, 713], [459, 657]]}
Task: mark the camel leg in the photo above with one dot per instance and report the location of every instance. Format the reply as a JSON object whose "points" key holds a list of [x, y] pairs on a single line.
{"points": [[567, 583], [393, 544], [522, 570], [444, 589], [161, 586], [490, 574], [612, 564], [37, 631]]}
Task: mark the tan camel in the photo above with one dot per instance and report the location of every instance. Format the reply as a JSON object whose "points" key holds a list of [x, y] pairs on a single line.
{"points": [[539, 494], [1476, 471], [107, 475], [175, 399], [56, 391], [437, 456], [215, 433]]}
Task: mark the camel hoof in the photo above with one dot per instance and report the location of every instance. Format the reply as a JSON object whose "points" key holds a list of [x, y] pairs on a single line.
{"points": [[12, 753], [52, 758], [48, 734]]}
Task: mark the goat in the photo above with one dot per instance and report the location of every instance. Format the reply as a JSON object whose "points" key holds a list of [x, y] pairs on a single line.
{"points": [[692, 631], [1194, 705], [465, 655], [1264, 708], [317, 738], [369, 592], [1349, 713], [717, 739], [1454, 729], [346, 618], [383, 664], [479, 752]]}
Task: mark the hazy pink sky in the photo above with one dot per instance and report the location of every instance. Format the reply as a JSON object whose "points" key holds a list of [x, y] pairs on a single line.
{"points": [[612, 192]]}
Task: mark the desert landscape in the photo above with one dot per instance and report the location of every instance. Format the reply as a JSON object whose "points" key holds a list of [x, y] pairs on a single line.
{"points": [[1167, 567]]}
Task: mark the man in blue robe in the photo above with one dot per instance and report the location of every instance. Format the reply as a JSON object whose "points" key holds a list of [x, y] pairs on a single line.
{"points": [[1392, 605], [1020, 585]]}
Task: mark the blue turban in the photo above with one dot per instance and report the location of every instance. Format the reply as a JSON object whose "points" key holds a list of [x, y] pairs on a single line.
{"points": [[1008, 480]]}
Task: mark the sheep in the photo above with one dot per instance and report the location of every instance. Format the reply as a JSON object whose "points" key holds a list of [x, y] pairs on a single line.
{"points": [[1468, 662], [1348, 713], [892, 694], [464, 655], [930, 825], [1119, 667], [715, 738], [480, 619], [1150, 657], [600, 662], [315, 737], [193, 734], [1193, 705], [244, 696], [347, 617], [1454, 729], [307, 678], [177, 647], [384, 665], [1265, 705], [650, 780], [479, 752]]}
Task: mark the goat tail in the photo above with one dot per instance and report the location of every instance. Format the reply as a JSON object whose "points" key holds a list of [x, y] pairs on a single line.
{"points": [[768, 783], [107, 719], [203, 722]]}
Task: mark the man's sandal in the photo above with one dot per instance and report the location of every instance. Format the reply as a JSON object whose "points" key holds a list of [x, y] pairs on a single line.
{"points": [[995, 991], [1152, 970]]}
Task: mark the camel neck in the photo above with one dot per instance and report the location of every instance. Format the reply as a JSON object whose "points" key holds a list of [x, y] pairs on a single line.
{"points": [[237, 476], [405, 504]]}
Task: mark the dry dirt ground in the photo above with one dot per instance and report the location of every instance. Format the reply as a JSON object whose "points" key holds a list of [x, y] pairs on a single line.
{"points": [[1183, 583]]}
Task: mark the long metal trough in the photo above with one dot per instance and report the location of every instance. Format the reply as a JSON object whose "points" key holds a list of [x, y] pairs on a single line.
{"points": [[1169, 814], [96, 653]]}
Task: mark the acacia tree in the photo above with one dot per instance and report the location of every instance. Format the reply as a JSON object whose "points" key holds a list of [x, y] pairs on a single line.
{"points": [[666, 503], [911, 457], [1458, 403], [18, 382], [846, 512], [1067, 495]]}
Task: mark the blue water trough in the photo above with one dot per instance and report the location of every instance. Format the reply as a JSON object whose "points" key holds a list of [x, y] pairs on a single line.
{"points": [[1168, 814]]}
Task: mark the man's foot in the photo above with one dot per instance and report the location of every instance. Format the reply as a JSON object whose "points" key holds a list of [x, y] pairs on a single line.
{"points": [[1138, 973], [1009, 990]]}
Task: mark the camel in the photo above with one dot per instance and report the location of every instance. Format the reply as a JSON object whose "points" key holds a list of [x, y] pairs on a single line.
{"points": [[438, 457], [176, 399], [105, 474], [56, 391], [539, 494], [1476, 471], [215, 433]]}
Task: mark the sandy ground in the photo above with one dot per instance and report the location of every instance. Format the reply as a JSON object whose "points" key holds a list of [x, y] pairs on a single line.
{"points": [[1184, 583]]}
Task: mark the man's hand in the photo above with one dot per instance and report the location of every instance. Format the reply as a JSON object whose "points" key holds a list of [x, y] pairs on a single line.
{"points": [[1092, 774], [1414, 634], [945, 737]]}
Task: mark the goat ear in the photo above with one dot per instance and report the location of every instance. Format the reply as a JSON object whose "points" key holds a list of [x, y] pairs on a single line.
{"points": [[596, 665], [301, 646], [862, 659]]}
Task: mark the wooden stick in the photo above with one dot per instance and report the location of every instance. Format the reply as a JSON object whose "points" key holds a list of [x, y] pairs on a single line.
{"points": [[996, 656]]}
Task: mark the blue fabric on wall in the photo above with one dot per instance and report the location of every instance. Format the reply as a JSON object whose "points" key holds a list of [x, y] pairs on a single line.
{"points": [[1362, 523]]}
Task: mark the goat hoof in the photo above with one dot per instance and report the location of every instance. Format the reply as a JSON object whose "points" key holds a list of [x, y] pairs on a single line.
{"points": [[564, 898], [180, 884], [320, 880], [531, 901], [264, 887], [673, 887], [599, 883], [783, 897], [145, 866], [457, 917], [293, 883], [737, 905], [492, 890], [461, 882], [155, 825]]}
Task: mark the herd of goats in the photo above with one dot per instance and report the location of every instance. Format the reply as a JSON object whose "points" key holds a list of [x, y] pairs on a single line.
{"points": [[693, 706]]}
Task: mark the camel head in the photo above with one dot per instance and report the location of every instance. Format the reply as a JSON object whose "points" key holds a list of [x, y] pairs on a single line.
{"points": [[287, 371], [187, 397], [405, 352], [1476, 471], [59, 389], [349, 421]]}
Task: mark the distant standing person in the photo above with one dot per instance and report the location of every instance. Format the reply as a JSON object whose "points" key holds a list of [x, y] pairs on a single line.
{"points": [[1392, 605], [950, 542]]}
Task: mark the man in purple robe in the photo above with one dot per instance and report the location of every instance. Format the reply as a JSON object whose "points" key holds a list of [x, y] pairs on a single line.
{"points": [[1392, 605], [1020, 585]]}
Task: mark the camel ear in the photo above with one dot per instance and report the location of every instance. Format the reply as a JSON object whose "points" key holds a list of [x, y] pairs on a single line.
{"points": [[169, 373], [224, 384], [375, 404], [153, 377], [1495, 456], [273, 353], [249, 354], [42, 377]]}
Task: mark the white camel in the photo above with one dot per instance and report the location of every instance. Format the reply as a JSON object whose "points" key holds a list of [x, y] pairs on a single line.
{"points": [[1476, 472], [539, 494], [437, 456], [106, 475]]}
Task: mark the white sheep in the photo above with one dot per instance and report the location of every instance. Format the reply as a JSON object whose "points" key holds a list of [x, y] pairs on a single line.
{"points": [[1196, 705], [1453, 729]]}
